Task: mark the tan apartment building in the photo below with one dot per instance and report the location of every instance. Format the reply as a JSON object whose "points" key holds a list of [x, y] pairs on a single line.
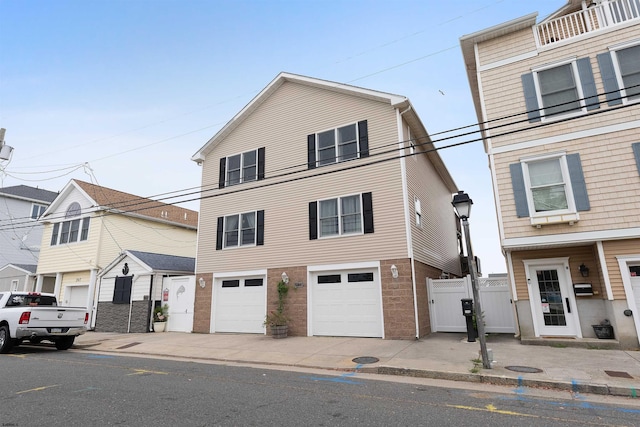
{"points": [[338, 189], [559, 104]]}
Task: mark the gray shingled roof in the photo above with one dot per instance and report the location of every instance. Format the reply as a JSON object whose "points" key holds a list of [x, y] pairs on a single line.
{"points": [[31, 268], [32, 193], [164, 262]]}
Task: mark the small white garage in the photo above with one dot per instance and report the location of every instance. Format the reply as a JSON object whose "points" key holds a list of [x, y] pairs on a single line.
{"points": [[239, 303], [345, 302]]}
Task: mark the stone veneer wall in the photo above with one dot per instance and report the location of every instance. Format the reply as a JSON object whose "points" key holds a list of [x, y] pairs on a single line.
{"points": [[115, 317], [202, 304], [295, 305]]}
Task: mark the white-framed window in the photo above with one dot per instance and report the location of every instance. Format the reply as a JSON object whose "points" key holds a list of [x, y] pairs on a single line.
{"points": [[627, 68], [37, 210], [72, 230], [418, 209], [558, 89], [14, 285], [548, 185], [242, 168], [239, 230], [340, 216], [337, 145]]}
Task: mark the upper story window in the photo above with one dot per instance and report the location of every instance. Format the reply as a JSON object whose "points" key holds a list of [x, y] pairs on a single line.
{"points": [[341, 216], [549, 188], [628, 70], [560, 89], [338, 145], [418, 209], [73, 229], [245, 229], [244, 167], [37, 210]]}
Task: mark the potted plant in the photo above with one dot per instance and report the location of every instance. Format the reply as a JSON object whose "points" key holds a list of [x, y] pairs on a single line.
{"points": [[160, 317], [277, 320]]}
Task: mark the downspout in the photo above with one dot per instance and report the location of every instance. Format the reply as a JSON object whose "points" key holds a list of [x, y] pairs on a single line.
{"points": [[133, 279], [150, 305], [407, 221]]}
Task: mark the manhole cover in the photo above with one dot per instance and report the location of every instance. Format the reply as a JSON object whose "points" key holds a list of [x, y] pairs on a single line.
{"points": [[618, 374], [526, 369], [366, 359]]}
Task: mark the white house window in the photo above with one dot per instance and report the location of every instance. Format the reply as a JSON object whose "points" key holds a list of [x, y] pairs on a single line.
{"points": [[418, 208], [37, 210], [547, 185], [340, 216], [72, 230], [242, 167], [337, 145], [628, 62], [558, 89], [240, 230]]}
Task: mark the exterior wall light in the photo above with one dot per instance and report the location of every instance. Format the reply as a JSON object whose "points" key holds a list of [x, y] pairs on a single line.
{"points": [[584, 270], [394, 271], [202, 282], [285, 278]]}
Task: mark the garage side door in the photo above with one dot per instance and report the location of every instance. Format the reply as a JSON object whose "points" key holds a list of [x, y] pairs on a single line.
{"points": [[239, 305], [346, 303]]}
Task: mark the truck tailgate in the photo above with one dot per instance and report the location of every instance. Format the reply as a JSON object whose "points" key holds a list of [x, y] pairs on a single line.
{"points": [[48, 317]]}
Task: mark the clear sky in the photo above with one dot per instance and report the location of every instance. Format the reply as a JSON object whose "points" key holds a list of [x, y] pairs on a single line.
{"points": [[123, 93]]}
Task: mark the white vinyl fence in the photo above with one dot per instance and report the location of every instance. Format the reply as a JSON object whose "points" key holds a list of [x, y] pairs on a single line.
{"points": [[445, 305]]}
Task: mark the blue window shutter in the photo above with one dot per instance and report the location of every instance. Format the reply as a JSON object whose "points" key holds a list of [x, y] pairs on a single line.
{"points": [[260, 163], [311, 151], [223, 173], [313, 220], [363, 139], [636, 152], [260, 229], [367, 211], [519, 190], [219, 233], [578, 184], [588, 84], [605, 62], [530, 98]]}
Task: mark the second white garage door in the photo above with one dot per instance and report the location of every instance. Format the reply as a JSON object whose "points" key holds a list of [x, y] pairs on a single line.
{"points": [[346, 303], [239, 305]]}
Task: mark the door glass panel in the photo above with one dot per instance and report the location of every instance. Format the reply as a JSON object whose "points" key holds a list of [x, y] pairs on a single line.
{"points": [[551, 298], [634, 270]]}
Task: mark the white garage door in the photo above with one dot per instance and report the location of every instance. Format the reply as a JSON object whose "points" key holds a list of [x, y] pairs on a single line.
{"points": [[346, 303], [239, 305]]}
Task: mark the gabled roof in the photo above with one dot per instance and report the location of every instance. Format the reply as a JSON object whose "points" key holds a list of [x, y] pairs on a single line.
{"points": [[26, 268], [115, 201], [31, 194], [394, 100], [162, 262]]}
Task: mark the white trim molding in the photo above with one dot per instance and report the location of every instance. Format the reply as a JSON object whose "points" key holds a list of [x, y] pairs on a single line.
{"points": [[571, 238], [623, 264]]}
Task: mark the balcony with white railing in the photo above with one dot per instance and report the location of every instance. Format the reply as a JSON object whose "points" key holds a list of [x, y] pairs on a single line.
{"points": [[597, 17]]}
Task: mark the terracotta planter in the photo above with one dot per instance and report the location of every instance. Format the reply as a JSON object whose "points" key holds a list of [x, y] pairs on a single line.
{"points": [[279, 331], [159, 326]]}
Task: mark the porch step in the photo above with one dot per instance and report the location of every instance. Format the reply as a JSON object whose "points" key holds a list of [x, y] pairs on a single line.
{"points": [[591, 343]]}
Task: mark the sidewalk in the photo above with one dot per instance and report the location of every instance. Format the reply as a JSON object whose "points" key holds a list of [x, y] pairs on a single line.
{"points": [[441, 355]]}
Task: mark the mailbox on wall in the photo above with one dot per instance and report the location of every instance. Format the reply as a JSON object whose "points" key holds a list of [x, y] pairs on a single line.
{"points": [[583, 289]]}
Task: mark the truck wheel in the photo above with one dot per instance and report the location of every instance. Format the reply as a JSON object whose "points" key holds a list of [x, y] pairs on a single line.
{"points": [[5, 340], [64, 343]]}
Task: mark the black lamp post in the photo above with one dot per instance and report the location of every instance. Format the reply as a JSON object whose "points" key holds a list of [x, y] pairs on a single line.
{"points": [[462, 204]]}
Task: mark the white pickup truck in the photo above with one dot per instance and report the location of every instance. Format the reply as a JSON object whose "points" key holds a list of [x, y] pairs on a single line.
{"points": [[37, 317]]}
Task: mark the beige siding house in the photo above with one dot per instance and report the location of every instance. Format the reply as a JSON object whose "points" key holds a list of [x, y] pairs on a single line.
{"points": [[560, 104], [319, 181], [87, 226]]}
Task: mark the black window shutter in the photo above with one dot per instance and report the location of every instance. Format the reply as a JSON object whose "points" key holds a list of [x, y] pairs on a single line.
{"points": [[367, 210], [311, 151], [636, 152], [519, 190], [122, 290], [363, 138], [578, 183], [260, 163], [260, 229], [223, 172], [605, 63], [313, 220], [530, 98], [219, 233], [588, 84]]}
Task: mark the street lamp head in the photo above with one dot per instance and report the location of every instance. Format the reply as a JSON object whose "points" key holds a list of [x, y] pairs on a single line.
{"points": [[462, 204]]}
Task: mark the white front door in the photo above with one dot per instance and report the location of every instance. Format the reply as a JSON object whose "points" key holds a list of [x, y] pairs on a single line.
{"points": [[553, 305], [182, 293]]}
